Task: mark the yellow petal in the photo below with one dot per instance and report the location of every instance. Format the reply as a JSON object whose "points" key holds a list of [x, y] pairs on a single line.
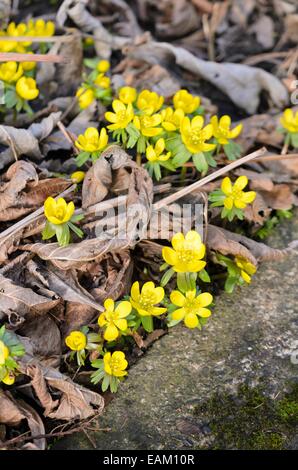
{"points": [[236, 131], [102, 320], [241, 182], [169, 255], [111, 332], [148, 288], [156, 311], [226, 185], [195, 266], [178, 241], [159, 294], [118, 106], [135, 291], [225, 121], [178, 314], [205, 299], [197, 122], [91, 133], [193, 237], [111, 117], [69, 211], [123, 309], [245, 277], [249, 197], [229, 202], [204, 312], [191, 320], [109, 305], [121, 324], [239, 203], [160, 146], [177, 298]]}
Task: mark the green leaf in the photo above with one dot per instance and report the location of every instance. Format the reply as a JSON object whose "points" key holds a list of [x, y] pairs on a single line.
{"points": [[230, 284], [91, 63], [147, 323], [48, 232], [141, 144], [167, 276], [157, 172], [200, 162], [82, 158], [63, 234], [232, 150], [204, 276], [105, 383], [182, 282], [76, 230], [294, 139], [10, 98], [114, 384]]}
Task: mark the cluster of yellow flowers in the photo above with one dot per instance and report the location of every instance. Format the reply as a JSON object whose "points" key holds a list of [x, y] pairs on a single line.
{"points": [[96, 85], [19, 83], [167, 136]]}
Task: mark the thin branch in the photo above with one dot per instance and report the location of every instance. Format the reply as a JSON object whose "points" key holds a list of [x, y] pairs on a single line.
{"points": [[16, 57]]}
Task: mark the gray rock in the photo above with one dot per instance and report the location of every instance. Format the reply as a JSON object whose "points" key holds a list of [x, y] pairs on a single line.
{"points": [[165, 403]]}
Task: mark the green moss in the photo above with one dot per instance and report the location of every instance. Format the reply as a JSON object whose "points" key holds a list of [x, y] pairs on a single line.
{"points": [[250, 419]]}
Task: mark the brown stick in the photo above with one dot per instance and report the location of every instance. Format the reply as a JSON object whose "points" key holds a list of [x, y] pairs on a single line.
{"points": [[63, 38], [16, 57], [198, 184]]}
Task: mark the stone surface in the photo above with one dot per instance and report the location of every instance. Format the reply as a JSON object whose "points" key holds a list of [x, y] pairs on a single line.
{"points": [[183, 391]]}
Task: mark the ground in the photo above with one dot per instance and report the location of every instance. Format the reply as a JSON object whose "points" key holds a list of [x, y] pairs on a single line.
{"points": [[232, 386]]}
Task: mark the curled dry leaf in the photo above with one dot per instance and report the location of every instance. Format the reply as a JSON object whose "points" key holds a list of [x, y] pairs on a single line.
{"points": [[25, 141], [22, 192], [13, 412], [75, 401], [229, 243], [242, 83], [21, 300]]}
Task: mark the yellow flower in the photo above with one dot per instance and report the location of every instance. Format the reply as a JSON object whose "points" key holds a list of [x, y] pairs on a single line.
{"points": [[171, 120], [127, 94], [246, 267], [58, 212], [103, 66], [85, 97], [76, 341], [27, 66], [194, 135], [191, 307], [26, 88], [186, 254], [114, 318], [122, 116], [10, 71], [17, 30], [289, 120], [234, 194], [78, 176], [115, 364], [4, 353], [185, 101], [92, 141], [149, 102], [9, 379], [155, 153], [221, 129], [147, 124], [41, 28], [103, 81], [145, 301]]}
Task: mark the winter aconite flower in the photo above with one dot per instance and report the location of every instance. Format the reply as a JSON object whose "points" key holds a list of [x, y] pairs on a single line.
{"points": [[289, 120], [58, 212], [155, 153], [149, 102], [9, 378], [78, 176], [92, 141], [127, 94], [26, 88], [76, 341], [4, 353], [185, 101], [234, 194], [191, 307], [103, 66], [194, 134], [113, 318], [85, 97], [121, 117], [147, 125], [111, 370], [10, 350], [221, 129], [115, 364], [60, 220], [10, 71], [187, 253], [171, 119], [247, 269], [102, 81], [145, 302]]}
